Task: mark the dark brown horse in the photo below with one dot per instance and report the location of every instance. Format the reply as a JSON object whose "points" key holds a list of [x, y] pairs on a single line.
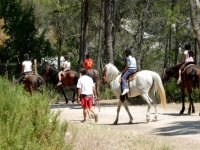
{"points": [[93, 73], [69, 80], [190, 80], [33, 82]]}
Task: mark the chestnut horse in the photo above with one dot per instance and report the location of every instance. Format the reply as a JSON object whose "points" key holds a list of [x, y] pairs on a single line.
{"points": [[190, 80], [69, 80], [33, 82], [93, 73]]}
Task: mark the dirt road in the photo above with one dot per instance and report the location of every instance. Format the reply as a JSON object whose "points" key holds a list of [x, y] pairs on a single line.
{"points": [[183, 132]]}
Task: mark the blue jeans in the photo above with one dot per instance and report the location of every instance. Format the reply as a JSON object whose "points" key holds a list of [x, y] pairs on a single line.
{"points": [[125, 76]]}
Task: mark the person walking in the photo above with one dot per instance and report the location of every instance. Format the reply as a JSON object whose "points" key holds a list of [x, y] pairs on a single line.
{"points": [[86, 92]]}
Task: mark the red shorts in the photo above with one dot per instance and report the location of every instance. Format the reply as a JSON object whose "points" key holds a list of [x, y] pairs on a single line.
{"points": [[86, 102]]}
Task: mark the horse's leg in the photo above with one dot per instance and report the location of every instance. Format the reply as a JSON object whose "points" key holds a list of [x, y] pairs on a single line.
{"points": [[129, 114], [74, 93], [146, 98], [63, 92], [183, 102], [191, 104], [154, 99], [118, 110]]}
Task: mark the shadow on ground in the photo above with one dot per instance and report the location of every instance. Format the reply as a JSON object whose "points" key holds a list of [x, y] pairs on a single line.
{"points": [[179, 128]]}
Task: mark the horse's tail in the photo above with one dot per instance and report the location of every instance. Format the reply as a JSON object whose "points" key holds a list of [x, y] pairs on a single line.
{"points": [[160, 89]]}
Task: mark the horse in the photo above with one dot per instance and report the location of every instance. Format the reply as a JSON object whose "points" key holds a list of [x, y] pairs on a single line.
{"points": [[190, 80], [69, 80], [33, 82], [145, 83]]}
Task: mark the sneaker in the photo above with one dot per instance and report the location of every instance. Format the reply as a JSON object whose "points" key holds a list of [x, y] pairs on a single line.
{"points": [[179, 80], [59, 83], [96, 118], [125, 91]]}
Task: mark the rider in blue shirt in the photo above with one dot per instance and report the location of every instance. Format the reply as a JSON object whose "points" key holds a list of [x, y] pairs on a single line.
{"points": [[131, 67]]}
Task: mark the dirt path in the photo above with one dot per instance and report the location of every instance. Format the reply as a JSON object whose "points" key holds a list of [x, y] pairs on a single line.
{"points": [[183, 132]]}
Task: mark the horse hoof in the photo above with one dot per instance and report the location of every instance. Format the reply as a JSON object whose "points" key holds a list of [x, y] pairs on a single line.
{"points": [[130, 122], [115, 123], [148, 120], [181, 113], [156, 118]]}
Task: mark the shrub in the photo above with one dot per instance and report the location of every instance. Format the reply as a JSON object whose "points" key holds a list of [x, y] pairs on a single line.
{"points": [[26, 122]]}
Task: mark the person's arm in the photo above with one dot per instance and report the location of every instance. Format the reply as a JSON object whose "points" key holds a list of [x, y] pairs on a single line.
{"points": [[125, 69], [94, 92], [78, 95]]}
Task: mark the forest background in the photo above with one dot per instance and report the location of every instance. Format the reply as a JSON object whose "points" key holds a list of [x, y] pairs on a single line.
{"points": [[155, 30]]}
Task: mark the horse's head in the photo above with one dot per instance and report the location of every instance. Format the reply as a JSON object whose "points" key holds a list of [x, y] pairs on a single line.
{"points": [[170, 72], [165, 75], [109, 73]]}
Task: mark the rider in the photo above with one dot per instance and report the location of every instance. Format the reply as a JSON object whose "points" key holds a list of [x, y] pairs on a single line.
{"points": [[26, 68], [188, 57], [88, 63], [131, 67], [65, 67]]}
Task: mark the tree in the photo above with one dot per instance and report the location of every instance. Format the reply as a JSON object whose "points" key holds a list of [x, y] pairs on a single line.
{"points": [[108, 31], [3, 36], [195, 20]]}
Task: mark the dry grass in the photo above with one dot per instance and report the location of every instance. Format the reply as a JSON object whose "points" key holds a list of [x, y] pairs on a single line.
{"points": [[87, 136]]}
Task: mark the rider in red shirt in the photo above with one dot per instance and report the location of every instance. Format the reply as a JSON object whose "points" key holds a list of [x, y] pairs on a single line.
{"points": [[88, 62]]}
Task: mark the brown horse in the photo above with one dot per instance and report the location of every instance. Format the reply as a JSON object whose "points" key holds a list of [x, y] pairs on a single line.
{"points": [[93, 73], [190, 80], [33, 82], [69, 80]]}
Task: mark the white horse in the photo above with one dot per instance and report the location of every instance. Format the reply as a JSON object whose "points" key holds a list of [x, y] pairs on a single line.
{"points": [[146, 83]]}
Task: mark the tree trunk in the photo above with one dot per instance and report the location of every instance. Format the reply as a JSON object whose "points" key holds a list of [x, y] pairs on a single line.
{"points": [[108, 31], [100, 47], [85, 27], [195, 19]]}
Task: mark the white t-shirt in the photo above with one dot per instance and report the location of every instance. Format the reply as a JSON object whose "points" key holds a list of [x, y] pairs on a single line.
{"points": [[27, 66], [86, 84], [66, 65]]}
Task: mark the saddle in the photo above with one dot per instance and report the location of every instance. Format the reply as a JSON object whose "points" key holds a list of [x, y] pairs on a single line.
{"points": [[27, 75], [188, 65], [65, 72], [130, 77]]}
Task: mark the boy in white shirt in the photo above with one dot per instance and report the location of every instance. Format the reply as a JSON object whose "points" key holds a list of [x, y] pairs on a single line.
{"points": [[86, 93]]}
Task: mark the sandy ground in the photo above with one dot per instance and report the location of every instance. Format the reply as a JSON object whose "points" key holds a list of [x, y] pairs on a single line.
{"points": [[183, 132]]}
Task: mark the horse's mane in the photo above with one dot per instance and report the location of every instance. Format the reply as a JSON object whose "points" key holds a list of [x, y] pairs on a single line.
{"points": [[174, 69], [111, 71]]}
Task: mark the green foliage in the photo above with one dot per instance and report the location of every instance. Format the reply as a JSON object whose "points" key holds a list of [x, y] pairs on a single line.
{"points": [[172, 91], [26, 122], [105, 93]]}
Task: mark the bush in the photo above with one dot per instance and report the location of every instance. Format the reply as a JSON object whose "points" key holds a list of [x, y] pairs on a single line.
{"points": [[26, 122], [173, 92]]}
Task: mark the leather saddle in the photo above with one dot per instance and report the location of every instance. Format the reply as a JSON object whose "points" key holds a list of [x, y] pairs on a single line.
{"points": [[130, 77]]}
